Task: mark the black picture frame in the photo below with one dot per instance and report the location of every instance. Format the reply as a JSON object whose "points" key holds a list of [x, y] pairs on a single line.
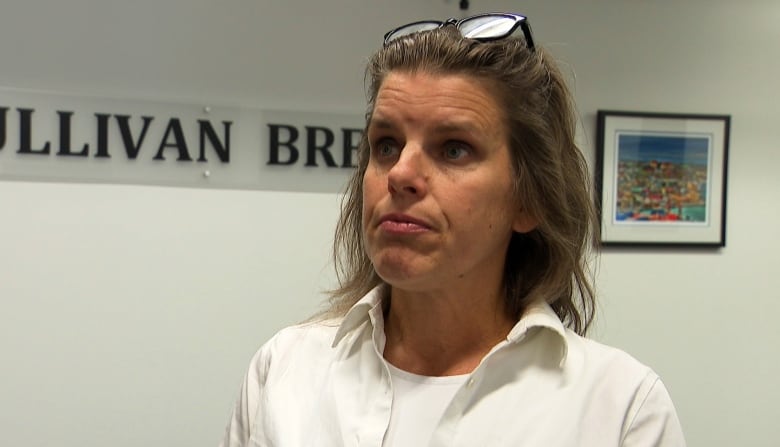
{"points": [[661, 178]]}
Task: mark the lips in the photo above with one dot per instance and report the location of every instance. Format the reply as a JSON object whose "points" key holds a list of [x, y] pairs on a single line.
{"points": [[402, 224]]}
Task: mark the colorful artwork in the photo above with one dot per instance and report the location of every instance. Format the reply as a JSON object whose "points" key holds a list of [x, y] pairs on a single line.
{"points": [[662, 178]]}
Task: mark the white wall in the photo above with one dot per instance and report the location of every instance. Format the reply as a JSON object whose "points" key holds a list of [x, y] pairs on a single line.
{"points": [[128, 313]]}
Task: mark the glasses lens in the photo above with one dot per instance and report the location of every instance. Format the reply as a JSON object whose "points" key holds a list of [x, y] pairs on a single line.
{"points": [[488, 27], [410, 29]]}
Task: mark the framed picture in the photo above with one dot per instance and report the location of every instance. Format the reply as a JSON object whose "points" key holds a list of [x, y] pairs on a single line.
{"points": [[661, 178]]}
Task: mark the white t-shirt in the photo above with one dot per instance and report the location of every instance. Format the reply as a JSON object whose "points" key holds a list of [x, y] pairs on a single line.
{"points": [[326, 384], [418, 405]]}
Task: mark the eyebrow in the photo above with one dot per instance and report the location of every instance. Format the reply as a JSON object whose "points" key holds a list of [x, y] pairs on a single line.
{"points": [[380, 123], [449, 126], [443, 127]]}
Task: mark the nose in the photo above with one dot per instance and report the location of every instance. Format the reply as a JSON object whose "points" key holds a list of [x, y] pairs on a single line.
{"points": [[408, 176]]}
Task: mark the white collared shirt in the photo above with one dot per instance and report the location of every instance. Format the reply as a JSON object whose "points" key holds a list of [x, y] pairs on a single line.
{"points": [[326, 384]]}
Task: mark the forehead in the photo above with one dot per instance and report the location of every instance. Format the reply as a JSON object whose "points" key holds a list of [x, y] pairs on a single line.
{"points": [[422, 96]]}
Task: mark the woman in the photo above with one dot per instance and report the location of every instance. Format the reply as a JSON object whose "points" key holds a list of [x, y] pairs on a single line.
{"points": [[463, 295]]}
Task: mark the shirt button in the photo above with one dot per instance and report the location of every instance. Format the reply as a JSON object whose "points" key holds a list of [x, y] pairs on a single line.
{"points": [[470, 383]]}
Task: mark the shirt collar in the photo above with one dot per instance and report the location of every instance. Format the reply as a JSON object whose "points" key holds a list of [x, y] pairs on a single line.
{"points": [[538, 315], [359, 312]]}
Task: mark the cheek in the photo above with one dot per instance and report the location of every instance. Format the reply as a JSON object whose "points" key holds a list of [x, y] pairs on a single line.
{"points": [[370, 197], [373, 186], [492, 210]]}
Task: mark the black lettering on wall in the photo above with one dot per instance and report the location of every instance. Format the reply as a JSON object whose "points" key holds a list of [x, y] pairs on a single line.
{"points": [[351, 142], [65, 136], [312, 148], [132, 148], [102, 135], [25, 134], [3, 115], [206, 131], [179, 143], [275, 143]]}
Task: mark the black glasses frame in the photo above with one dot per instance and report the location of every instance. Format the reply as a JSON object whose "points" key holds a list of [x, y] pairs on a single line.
{"points": [[427, 25]]}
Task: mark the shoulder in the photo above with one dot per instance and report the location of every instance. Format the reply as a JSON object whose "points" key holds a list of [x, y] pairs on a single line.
{"points": [[607, 371], [622, 381], [292, 353], [595, 357], [293, 344], [316, 335], [626, 387]]}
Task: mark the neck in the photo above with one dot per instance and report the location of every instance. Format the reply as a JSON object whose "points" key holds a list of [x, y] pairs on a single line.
{"points": [[441, 334]]}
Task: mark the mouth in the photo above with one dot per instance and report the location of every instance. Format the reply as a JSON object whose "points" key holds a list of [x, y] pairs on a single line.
{"points": [[402, 224]]}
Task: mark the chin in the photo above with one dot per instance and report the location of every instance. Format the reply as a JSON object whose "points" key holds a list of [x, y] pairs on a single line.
{"points": [[394, 272], [402, 277], [400, 266]]}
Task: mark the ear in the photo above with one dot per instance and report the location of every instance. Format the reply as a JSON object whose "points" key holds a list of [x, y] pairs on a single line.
{"points": [[524, 222]]}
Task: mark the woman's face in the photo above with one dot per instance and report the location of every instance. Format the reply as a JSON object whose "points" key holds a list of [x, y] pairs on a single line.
{"points": [[438, 205]]}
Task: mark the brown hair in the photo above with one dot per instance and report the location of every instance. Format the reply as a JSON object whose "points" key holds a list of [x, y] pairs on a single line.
{"points": [[551, 177]]}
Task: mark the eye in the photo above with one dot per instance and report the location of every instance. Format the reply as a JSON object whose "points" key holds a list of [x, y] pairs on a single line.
{"points": [[385, 148], [456, 150]]}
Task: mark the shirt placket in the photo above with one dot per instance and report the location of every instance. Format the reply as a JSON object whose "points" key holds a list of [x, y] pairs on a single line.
{"points": [[372, 435]]}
